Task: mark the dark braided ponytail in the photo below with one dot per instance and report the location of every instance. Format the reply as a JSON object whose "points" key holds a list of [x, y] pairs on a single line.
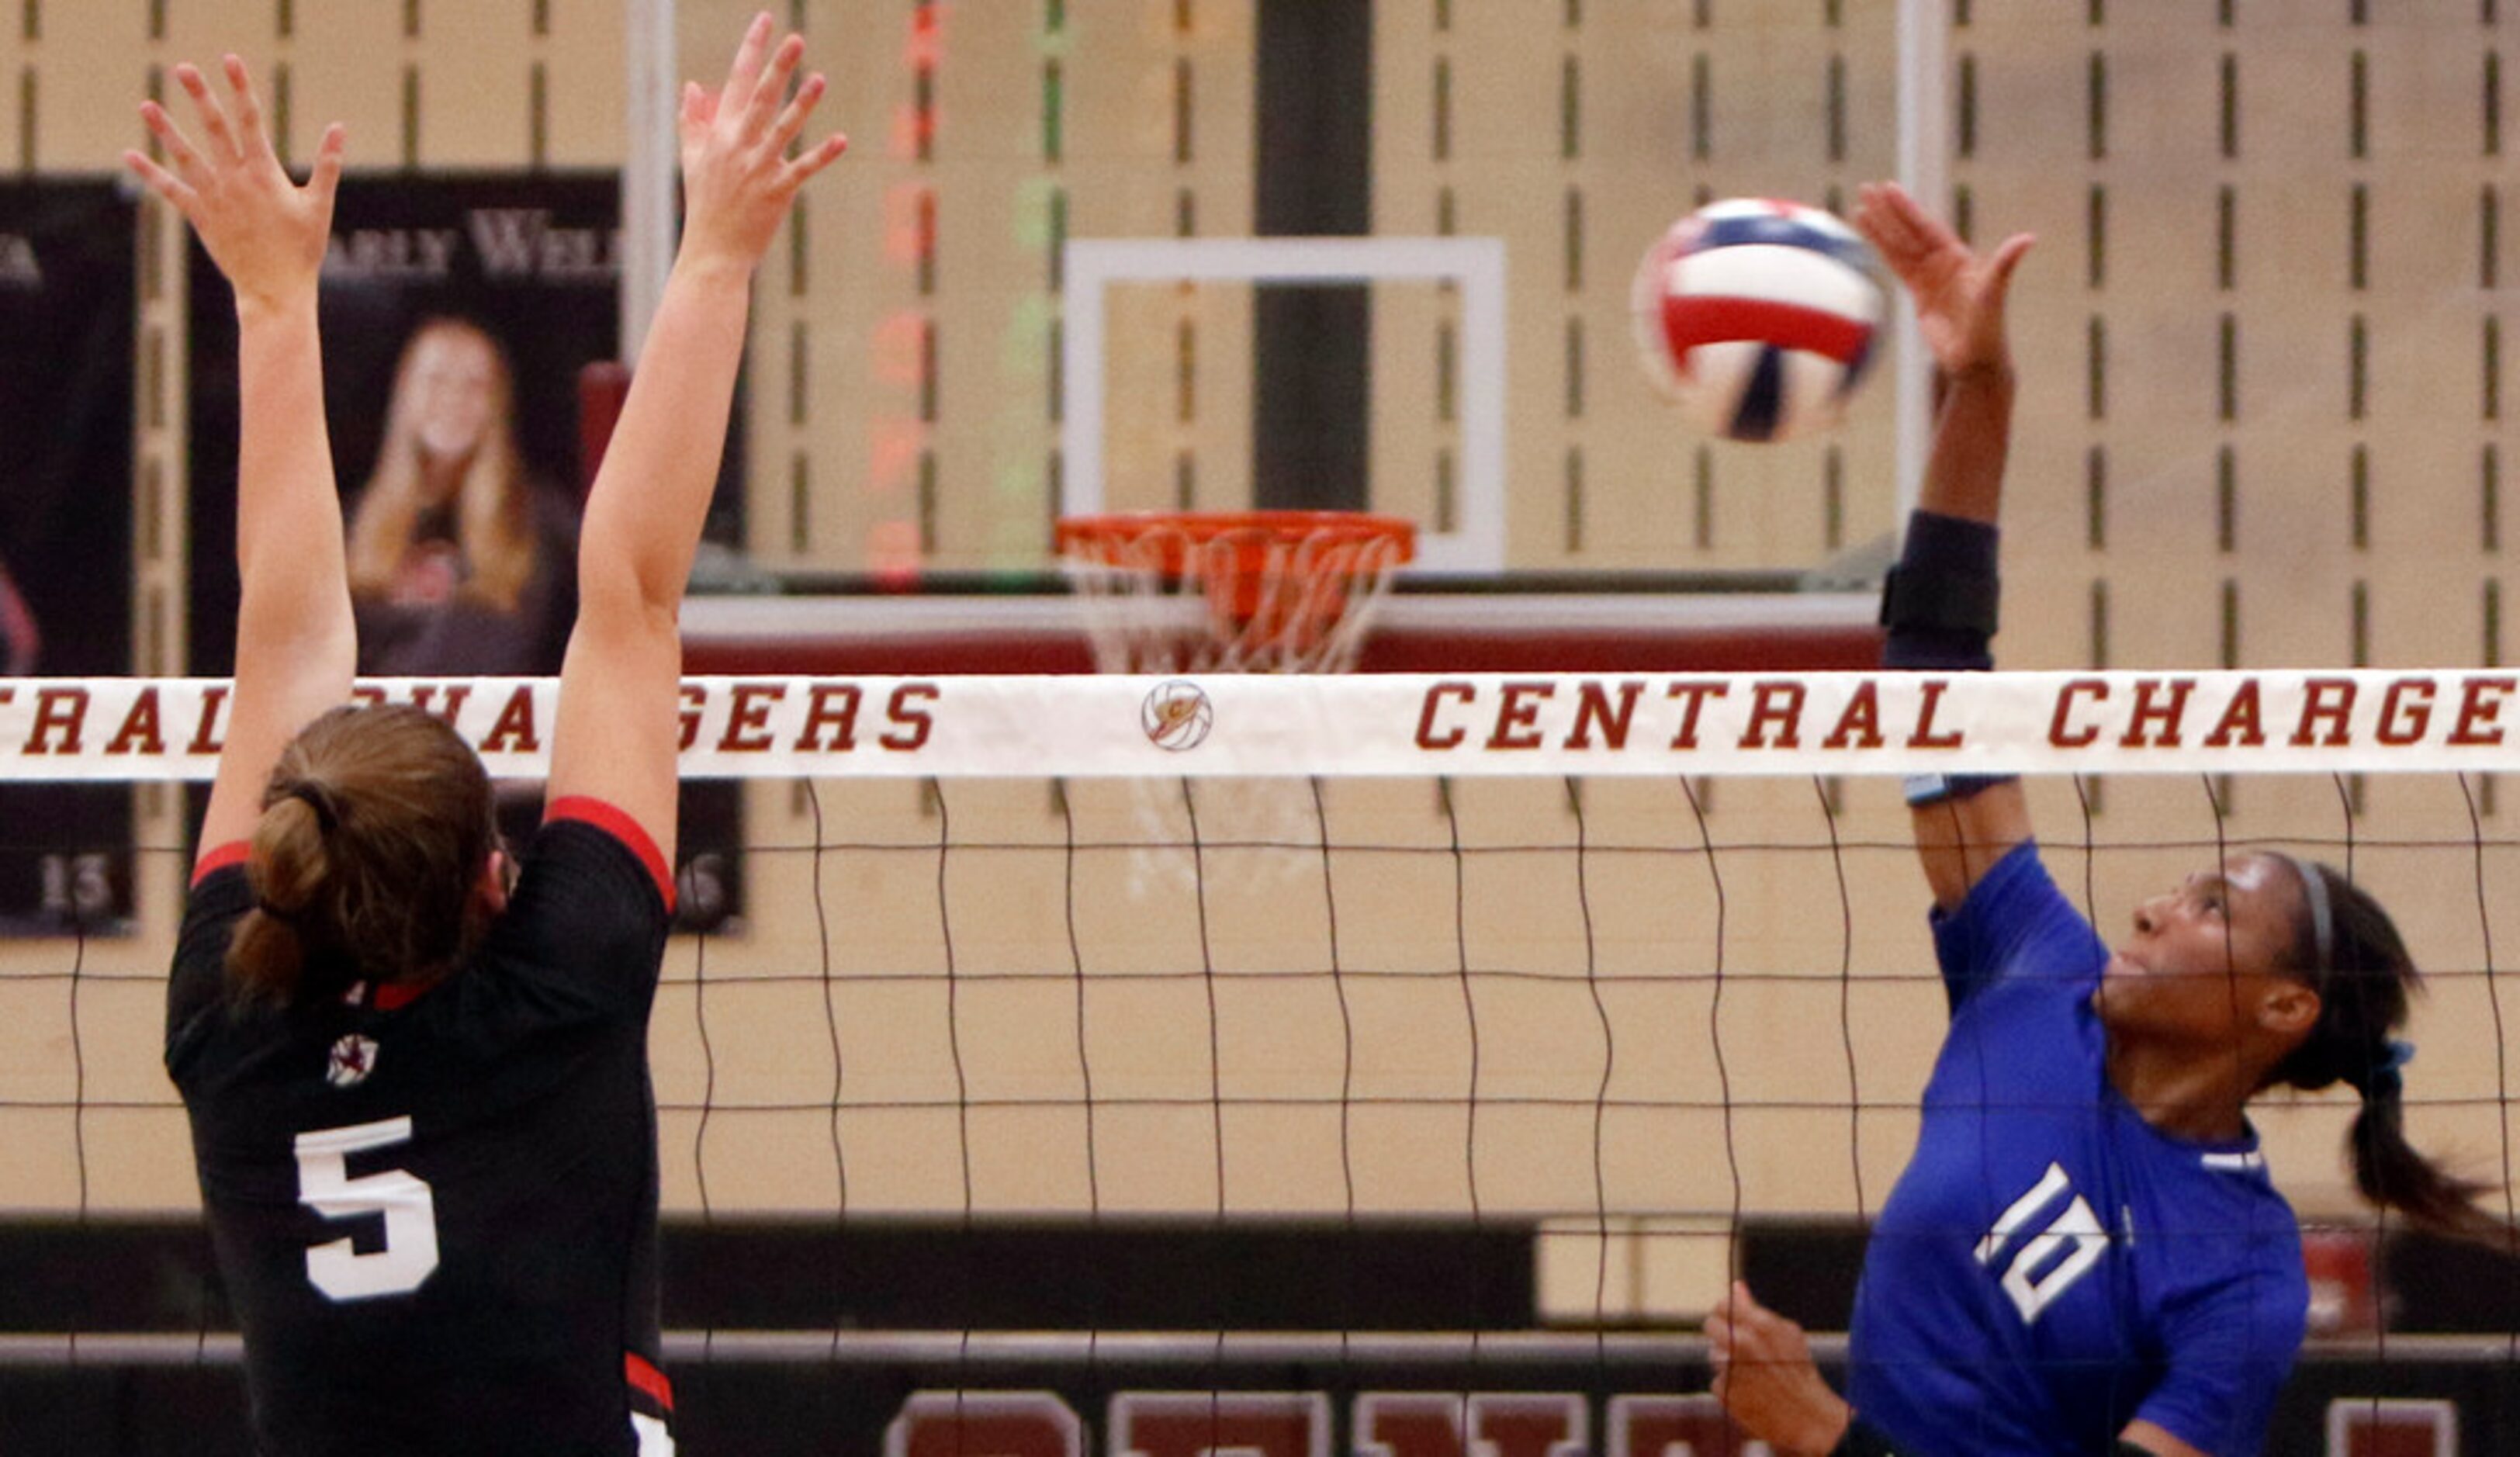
{"points": [[2350, 952]]}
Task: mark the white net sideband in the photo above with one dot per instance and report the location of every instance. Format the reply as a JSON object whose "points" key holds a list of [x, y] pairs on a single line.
{"points": [[1227, 724]]}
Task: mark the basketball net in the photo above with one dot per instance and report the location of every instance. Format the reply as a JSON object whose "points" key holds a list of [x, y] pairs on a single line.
{"points": [[1231, 592]]}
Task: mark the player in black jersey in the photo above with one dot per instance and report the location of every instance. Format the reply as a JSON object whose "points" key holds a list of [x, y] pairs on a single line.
{"points": [[418, 1082]]}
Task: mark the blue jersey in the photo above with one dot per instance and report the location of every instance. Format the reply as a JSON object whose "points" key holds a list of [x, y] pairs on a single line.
{"points": [[2051, 1266]]}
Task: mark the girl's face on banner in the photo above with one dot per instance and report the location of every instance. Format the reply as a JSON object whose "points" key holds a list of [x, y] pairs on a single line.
{"points": [[453, 376]]}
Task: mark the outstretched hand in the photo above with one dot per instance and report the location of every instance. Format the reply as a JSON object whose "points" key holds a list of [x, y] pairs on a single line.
{"points": [[1765, 1378], [266, 233], [738, 176], [1958, 293]]}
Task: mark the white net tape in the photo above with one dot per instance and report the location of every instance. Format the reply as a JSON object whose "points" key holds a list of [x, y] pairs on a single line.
{"points": [[1227, 724]]}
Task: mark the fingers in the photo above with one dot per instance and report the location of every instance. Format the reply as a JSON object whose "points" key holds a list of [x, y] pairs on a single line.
{"points": [[751, 100], [1872, 204], [1750, 1331], [698, 105], [159, 180], [767, 92], [2007, 257], [1723, 1329], [248, 110], [802, 167], [792, 119], [214, 117], [1905, 216], [1719, 1353], [240, 138], [236, 139], [179, 149], [746, 70], [326, 180], [764, 120], [737, 140], [1895, 225], [1873, 216], [1902, 245]]}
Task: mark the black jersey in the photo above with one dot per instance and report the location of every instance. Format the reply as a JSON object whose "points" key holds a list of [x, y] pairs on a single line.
{"points": [[436, 1215]]}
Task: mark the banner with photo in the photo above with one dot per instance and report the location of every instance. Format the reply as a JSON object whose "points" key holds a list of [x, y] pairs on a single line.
{"points": [[67, 310], [460, 316]]}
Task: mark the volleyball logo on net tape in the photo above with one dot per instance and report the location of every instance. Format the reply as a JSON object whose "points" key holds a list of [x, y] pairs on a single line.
{"points": [[1177, 715], [1757, 318]]}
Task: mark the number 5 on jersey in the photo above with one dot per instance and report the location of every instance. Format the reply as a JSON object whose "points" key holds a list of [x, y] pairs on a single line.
{"points": [[325, 1185]]}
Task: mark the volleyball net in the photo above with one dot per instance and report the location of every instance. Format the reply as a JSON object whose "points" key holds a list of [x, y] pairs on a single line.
{"points": [[1630, 971]]}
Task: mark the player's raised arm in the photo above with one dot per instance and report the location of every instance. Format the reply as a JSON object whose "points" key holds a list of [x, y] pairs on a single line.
{"points": [[618, 728], [296, 644], [1939, 605]]}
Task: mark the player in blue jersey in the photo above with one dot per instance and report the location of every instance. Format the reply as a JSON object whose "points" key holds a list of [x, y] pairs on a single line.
{"points": [[418, 1086], [2085, 1253]]}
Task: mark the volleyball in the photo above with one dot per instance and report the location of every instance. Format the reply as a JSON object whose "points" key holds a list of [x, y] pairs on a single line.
{"points": [[1757, 317]]}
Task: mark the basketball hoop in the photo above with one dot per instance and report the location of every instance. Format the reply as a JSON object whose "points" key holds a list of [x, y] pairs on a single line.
{"points": [[1231, 591]]}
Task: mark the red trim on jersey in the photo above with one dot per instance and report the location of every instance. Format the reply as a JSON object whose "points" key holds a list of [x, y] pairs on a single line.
{"points": [[219, 857], [393, 996], [587, 809], [1708, 320], [644, 1375]]}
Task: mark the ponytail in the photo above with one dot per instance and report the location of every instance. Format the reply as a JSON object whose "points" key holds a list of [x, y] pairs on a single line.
{"points": [[2351, 953], [2392, 1175], [290, 867], [376, 825]]}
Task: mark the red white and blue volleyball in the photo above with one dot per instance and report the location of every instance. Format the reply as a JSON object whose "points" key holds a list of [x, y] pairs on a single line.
{"points": [[1758, 317]]}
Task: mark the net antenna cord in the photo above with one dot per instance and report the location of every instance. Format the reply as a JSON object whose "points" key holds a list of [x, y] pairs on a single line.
{"points": [[1923, 145], [649, 163]]}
